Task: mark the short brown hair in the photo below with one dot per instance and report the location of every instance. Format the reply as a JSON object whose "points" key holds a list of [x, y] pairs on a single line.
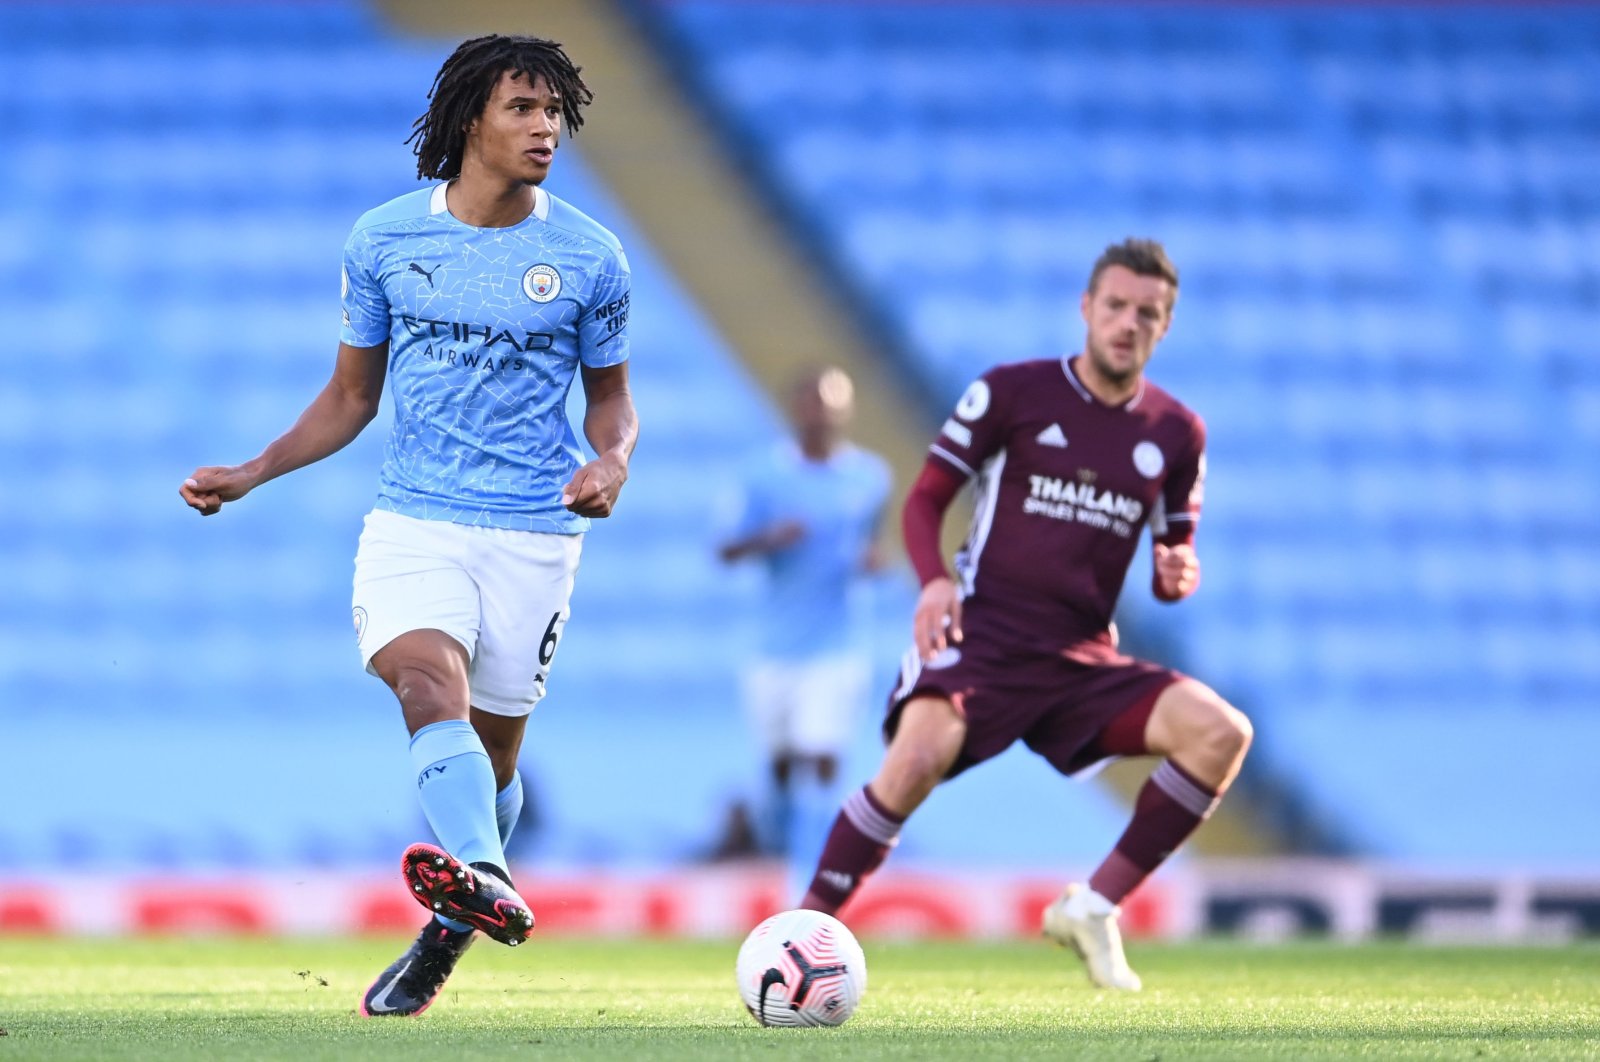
{"points": [[1145, 258]]}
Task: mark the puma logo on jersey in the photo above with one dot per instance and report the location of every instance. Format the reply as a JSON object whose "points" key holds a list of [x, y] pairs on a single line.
{"points": [[425, 272], [1052, 436]]}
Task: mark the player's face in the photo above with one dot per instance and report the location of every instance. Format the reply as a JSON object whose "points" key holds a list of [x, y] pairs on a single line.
{"points": [[519, 130], [1127, 315], [823, 406]]}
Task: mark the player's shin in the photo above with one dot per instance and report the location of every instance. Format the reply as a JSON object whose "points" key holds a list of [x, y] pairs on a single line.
{"points": [[1170, 807], [857, 845], [455, 784]]}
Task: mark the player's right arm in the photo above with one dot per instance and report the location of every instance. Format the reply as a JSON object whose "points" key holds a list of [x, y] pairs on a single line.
{"points": [[974, 432], [936, 623], [757, 531], [773, 538], [332, 420]]}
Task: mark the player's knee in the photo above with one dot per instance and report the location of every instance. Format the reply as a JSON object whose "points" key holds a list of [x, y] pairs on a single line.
{"points": [[1225, 732], [428, 690], [926, 762], [1204, 723], [926, 742]]}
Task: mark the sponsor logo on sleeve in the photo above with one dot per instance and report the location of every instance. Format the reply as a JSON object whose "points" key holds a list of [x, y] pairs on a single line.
{"points": [[957, 432]]}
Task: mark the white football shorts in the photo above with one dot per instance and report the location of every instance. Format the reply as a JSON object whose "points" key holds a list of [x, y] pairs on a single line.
{"points": [[807, 707], [503, 595]]}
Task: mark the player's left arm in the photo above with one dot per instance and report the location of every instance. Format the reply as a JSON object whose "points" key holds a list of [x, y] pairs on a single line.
{"points": [[612, 428], [611, 424], [1176, 572]]}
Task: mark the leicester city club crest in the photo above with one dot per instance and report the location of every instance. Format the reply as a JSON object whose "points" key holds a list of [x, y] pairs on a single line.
{"points": [[541, 283], [1148, 460]]}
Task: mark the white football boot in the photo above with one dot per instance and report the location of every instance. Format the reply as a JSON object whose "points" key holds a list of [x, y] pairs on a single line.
{"points": [[1086, 922]]}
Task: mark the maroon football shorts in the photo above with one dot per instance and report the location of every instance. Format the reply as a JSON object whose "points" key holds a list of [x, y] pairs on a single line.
{"points": [[1071, 712]]}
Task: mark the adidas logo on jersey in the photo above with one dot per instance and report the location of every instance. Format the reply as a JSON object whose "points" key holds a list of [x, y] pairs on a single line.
{"points": [[1052, 436]]}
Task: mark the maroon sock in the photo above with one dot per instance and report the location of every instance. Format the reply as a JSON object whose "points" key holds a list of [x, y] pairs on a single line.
{"points": [[1170, 806], [857, 845]]}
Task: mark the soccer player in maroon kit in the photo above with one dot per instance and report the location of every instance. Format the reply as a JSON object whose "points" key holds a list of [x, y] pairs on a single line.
{"points": [[1071, 457]]}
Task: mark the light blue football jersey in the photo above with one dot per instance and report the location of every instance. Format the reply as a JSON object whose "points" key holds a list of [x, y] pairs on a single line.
{"points": [[486, 330], [808, 610]]}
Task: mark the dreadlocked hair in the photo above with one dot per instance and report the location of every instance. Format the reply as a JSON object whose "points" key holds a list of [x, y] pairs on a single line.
{"points": [[464, 83]]}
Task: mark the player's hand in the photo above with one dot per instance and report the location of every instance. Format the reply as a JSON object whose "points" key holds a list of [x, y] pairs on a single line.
{"points": [[593, 489], [209, 487], [1177, 570], [937, 623]]}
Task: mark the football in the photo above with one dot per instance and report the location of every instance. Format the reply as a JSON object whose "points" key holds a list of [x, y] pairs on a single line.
{"points": [[801, 968]]}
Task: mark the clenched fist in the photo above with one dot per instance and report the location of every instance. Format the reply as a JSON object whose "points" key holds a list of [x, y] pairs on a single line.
{"points": [[209, 487]]}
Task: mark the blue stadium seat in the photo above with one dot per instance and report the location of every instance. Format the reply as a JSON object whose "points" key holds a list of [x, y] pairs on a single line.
{"points": [[180, 261], [1388, 222]]}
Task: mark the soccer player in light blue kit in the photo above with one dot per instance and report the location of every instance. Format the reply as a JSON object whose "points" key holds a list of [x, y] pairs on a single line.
{"points": [[481, 297], [809, 509]]}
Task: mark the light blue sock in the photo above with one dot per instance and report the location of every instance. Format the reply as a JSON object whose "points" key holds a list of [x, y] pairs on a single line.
{"points": [[456, 786], [508, 808]]}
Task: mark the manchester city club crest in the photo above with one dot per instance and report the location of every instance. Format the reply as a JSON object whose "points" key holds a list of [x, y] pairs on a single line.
{"points": [[541, 283]]}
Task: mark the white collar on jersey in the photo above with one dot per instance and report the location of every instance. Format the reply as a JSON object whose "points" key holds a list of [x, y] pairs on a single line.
{"points": [[541, 201], [1077, 385]]}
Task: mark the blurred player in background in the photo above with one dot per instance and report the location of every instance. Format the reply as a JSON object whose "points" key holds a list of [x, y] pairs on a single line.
{"points": [[1072, 457], [809, 510], [481, 296]]}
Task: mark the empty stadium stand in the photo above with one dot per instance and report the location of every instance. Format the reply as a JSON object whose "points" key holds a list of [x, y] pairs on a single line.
{"points": [[1388, 225]]}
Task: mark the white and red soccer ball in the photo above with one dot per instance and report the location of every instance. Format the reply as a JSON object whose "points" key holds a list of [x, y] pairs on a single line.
{"points": [[801, 968]]}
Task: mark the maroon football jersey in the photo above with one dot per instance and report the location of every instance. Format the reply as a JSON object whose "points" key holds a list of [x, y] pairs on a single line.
{"points": [[1064, 485]]}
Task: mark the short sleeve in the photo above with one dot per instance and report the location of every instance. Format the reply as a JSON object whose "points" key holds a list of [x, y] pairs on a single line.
{"points": [[1178, 511], [366, 308], [745, 509], [603, 330], [975, 430]]}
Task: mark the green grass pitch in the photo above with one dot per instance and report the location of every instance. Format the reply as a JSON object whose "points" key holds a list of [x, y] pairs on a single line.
{"points": [[559, 999]]}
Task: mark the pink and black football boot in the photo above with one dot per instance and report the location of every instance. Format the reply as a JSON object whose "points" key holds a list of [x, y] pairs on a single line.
{"points": [[412, 982], [478, 894]]}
